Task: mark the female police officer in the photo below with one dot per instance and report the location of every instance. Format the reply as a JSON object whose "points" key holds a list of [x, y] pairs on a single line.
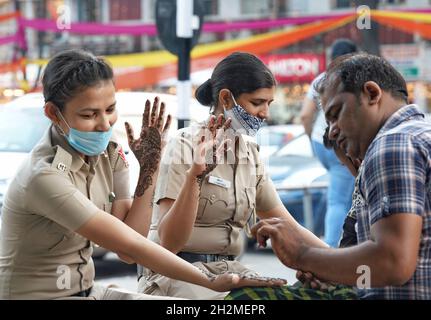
{"points": [[202, 222], [73, 190]]}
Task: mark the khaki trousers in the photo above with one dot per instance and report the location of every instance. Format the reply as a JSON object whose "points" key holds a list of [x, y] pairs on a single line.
{"points": [[157, 285], [112, 292]]}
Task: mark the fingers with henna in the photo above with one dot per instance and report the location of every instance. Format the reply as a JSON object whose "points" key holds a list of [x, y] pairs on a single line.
{"points": [[146, 115], [130, 133], [159, 122], [154, 111]]}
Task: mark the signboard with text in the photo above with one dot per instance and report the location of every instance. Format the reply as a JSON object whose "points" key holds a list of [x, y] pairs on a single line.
{"points": [[295, 67], [406, 58]]}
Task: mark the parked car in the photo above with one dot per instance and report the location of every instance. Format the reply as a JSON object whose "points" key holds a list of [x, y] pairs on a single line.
{"points": [[22, 124], [295, 167], [272, 138]]}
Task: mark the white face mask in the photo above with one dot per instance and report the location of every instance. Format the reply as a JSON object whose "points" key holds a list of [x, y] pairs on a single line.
{"points": [[242, 120]]}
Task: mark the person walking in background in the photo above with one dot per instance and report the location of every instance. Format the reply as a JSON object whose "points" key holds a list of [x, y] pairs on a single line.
{"points": [[341, 182]]}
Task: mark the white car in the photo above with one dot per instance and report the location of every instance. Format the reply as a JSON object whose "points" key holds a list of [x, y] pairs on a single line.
{"points": [[22, 124], [274, 137]]}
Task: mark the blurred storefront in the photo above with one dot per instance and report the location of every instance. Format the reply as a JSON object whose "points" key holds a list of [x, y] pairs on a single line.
{"points": [[413, 61], [294, 73]]}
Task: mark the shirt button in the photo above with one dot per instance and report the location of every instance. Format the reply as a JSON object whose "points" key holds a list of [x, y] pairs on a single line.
{"points": [[213, 197]]}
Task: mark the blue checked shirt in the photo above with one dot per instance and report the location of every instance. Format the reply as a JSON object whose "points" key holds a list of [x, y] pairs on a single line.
{"points": [[395, 178]]}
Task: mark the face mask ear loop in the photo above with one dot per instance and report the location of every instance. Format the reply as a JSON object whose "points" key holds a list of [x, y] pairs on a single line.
{"points": [[234, 101], [60, 115]]}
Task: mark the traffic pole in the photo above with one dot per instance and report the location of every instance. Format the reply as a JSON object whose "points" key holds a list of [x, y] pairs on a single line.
{"points": [[185, 33]]}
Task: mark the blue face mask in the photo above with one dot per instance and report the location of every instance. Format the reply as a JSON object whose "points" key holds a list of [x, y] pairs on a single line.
{"points": [[242, 120], [90, 143]]}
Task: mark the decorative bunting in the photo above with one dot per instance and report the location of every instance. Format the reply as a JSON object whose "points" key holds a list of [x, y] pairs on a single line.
{"points": [[13, 66], [423, 29]]}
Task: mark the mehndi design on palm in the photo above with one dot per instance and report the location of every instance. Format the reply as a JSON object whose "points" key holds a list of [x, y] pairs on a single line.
{"points": [[148, 147]]}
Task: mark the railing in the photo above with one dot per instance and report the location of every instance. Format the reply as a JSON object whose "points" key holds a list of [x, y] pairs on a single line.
{"points": [[307, 200]]}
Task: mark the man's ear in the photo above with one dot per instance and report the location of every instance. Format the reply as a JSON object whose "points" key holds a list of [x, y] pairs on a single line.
{"points": [[51, 112], [225, 98], [372, 92]]}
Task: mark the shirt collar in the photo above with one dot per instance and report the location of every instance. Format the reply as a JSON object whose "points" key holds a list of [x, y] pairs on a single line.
{"points": [[408, 112]]}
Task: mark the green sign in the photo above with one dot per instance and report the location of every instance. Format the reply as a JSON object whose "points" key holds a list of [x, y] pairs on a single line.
{"points": [[408, 72]]}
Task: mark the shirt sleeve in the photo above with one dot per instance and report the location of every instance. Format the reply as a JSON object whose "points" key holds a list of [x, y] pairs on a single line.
{"points": [[52, 195], [121, 176], [394, 178], [266, 195], [120, 167], [176, 160]]}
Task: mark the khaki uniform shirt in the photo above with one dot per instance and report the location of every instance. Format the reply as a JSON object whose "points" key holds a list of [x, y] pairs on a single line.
{"points": [[53, 194], [223, 210]]}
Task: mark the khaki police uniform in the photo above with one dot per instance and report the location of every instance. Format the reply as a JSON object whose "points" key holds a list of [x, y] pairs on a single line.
{"points": [[53, 194], [230, 196]]}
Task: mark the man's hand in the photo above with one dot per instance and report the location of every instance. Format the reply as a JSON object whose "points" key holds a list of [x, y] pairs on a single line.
{"points": [[286, 240], [310, 281], [148, 147]]}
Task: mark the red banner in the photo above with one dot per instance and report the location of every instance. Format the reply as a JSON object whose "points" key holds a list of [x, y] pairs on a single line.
{"points": [[295, 67]]}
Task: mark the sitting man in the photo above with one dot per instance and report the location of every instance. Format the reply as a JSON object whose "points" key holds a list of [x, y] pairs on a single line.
{"points": [[365, 103]]}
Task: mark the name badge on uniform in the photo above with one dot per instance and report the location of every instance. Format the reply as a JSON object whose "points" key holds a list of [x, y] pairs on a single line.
{"points": [[219, 182]]}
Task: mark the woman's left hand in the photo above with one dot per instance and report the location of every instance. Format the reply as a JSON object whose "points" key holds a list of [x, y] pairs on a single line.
{"points": [[147, 148], [228, 281]]}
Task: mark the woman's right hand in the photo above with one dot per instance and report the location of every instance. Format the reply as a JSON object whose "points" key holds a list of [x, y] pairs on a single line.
{"points": [[210, 146]]}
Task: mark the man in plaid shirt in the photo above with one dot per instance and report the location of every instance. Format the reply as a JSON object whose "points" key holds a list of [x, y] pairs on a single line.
{"points": [[365, 103]]}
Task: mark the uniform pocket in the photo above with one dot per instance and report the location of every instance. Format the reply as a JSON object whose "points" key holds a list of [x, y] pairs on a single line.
{"points": [[212, 202], [59, 244], [63, 237]]}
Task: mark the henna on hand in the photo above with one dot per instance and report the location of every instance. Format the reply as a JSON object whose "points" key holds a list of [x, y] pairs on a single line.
{"points": [[210, 164], [150, 159], [148, 147], [216, 145]]}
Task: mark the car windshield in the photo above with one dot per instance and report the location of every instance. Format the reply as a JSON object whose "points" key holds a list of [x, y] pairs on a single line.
{"points": [[270, 138], [21, 129], [299, 146]]}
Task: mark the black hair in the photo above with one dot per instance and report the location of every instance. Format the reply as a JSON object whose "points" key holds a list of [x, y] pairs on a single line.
{"points": [[70, 71], [240, 72], [341, 47], [354, 70]]}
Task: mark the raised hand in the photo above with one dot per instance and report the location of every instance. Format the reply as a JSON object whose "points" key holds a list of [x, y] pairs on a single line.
{"points": [[148, 147], [210, 147]]}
